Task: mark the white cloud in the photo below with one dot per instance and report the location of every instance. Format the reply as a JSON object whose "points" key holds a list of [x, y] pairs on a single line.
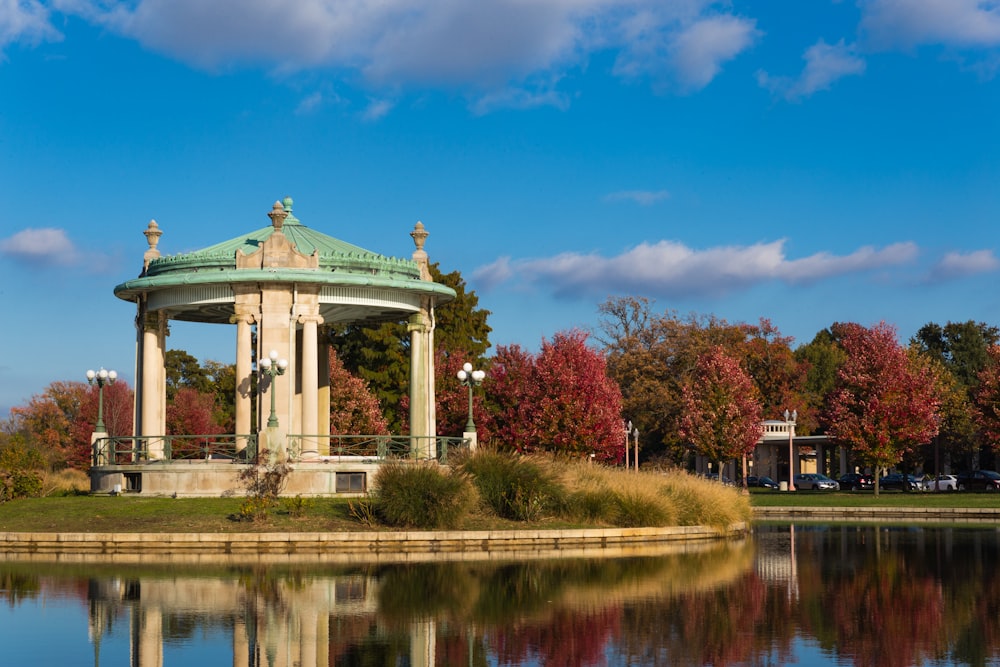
{"points": [[685, 47], [671, 269], [958, 265], [46, 246], [909, 23], [825, 63], [25, 20], [376, 110], [641, 197], [478, 45], [309, 103], [701, 48]]}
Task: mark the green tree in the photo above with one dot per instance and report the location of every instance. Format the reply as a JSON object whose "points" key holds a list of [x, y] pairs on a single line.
{"points": [[822, 358], [883, 405], [184, 371], [380, 354]]}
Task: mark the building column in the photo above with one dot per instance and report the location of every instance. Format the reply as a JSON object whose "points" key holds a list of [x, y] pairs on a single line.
{"points": [[310, 384], [154, 388], [244, 372], [323, 394], [421, 388]]}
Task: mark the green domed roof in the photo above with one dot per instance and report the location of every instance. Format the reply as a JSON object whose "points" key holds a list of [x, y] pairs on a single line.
{"points": [[198, 286]]}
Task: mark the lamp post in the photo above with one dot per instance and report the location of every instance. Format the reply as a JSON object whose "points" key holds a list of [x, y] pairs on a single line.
{"points": [[101, 378], [272, 367], [470, 379], [635, 435], [628, 440], [790, 424]]}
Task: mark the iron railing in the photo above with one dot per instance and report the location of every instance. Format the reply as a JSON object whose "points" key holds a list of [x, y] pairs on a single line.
{"points": [[374, 447], [126, 450]]}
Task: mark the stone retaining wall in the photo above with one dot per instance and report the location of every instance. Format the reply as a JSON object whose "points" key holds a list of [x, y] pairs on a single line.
{"points": [[383, 546], [904, 514]]}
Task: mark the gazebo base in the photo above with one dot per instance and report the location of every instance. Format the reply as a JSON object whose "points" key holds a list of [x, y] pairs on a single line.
{"points": [[327, 476]]}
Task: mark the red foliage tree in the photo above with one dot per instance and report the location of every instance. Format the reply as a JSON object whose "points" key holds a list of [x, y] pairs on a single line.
{"points": [[354, 410], [60, 420], [884, 403], [987, 399], [118, 406], [722, 414], [559, 400]]}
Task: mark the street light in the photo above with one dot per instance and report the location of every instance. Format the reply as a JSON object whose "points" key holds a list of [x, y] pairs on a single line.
{"points": [[790, 424], [470, 379], [635, 434], [272, 367], [628, 437], [101, 378]]}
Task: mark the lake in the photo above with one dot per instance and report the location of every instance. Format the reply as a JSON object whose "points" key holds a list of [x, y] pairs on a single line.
{"points": [[873, 595]]}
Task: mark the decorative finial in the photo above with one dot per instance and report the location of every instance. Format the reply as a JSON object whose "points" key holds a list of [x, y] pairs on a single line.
{"points": [[153, 235], [419, 235], [278, 215], [287, 204]]}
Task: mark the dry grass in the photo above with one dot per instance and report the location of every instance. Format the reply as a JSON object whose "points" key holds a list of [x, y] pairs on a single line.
{"points": [[647, 498], [65, 482]]}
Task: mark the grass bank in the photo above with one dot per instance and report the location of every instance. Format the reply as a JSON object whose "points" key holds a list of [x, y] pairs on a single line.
{"points": [[576, 495], [928, 500]]}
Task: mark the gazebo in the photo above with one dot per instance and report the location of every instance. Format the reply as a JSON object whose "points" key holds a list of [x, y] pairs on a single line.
{"points": [[280, 285]]}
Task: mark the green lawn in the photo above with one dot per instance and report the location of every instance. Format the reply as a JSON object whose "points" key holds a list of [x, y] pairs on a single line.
{"points": [[768, 498], [84, 513]]}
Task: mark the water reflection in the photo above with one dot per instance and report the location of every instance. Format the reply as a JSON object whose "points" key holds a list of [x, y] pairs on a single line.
{"points": [[833, 595]]}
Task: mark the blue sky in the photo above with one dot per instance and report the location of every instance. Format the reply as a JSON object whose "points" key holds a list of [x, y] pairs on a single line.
{"points": [[808, 162]]}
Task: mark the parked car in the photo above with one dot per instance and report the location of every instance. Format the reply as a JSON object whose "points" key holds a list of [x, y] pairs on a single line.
{"points": [[896, 480], [978, 480], [811, 481], [761, 482], [855, 481], [943, 483]]}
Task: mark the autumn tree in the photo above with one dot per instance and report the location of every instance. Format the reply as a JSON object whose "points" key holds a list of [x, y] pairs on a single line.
{"points": [[722, 412], [559, 400], [883, 404], [652, 357], [353, 409], [60, 420], [987, 400]]}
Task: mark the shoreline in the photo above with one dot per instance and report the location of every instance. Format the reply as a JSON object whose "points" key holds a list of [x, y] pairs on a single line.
{"points": [[353, 546]]}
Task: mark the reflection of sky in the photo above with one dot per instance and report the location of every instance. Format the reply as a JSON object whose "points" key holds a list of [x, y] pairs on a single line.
{"points": [[43, 631]]}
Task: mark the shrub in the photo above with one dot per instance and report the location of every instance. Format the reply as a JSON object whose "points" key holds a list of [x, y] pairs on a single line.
{"points": [[634, 509], [263, 484], [410, 495], [515, 487], [297, 506], [20, 471]]}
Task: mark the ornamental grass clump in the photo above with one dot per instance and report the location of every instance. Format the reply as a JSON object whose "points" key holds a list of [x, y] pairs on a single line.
{"points": [[616, 497], [410, 495], [702, 502], [515, 487]]}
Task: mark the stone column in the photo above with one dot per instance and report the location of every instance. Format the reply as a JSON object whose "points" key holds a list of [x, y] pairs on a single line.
{"points": [[310, 384], [323, 394], [244, 371], [154, 388], [421, 400]]}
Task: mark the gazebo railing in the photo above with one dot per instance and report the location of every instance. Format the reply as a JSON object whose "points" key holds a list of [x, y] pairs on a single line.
{"points": [[374, 447], [126, 450]]}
